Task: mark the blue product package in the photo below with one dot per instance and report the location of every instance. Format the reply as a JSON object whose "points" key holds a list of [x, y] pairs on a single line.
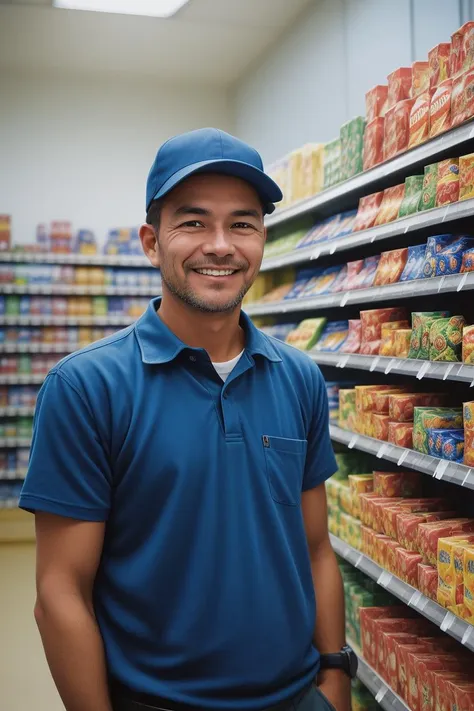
{"points": [[468, 261], [447, 264], [338, 283], [368, 270], [302, 278], [333, 336], [322, 283], [434, 246], [414, 266], [459, 245], [2, 305], [346, 223], [2, 335], [25, 305], [313, 235], [446, 444]]}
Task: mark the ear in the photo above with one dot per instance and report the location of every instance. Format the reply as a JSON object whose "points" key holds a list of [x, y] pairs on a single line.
{"points": [[150, 244]]}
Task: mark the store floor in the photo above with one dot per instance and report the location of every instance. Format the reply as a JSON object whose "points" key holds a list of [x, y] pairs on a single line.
{"points": [[25, 682]]}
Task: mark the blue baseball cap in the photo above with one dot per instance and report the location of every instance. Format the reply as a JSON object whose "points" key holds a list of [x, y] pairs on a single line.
{"points": [[209, 150]]}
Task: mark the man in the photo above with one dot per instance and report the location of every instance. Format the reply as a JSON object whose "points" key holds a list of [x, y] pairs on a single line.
{"points": [[177, 476]]}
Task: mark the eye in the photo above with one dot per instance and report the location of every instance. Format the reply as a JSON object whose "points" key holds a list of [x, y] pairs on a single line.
{"points": [[243, 226], [192, 223]]}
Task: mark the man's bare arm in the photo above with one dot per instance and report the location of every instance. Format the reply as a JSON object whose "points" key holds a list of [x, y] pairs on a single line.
{"points": [[68, 554]]}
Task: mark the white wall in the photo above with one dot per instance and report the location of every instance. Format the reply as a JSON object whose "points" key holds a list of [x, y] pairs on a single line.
{"points": [[80, 150], [316, 76]]}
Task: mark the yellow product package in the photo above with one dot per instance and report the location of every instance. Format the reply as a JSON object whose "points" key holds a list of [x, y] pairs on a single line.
{"points": [[450, 577], [359, 484], [468, 575]]}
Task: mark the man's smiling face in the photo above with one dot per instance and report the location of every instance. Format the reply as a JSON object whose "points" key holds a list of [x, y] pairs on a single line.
{"points": [[210, 241]]}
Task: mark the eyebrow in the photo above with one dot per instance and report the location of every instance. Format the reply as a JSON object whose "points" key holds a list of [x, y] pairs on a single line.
{"points": [[194, 210]]}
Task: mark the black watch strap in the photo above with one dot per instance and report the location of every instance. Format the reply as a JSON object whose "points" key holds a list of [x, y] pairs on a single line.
{"points": [[346, 660]]}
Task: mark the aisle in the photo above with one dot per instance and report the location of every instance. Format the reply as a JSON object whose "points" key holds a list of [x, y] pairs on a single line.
{"points": [[25, 681]]}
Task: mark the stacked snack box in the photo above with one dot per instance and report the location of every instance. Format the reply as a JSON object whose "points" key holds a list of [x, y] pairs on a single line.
{"points": [[352, 147], [5, 233], [468, 417], [332, 163]]}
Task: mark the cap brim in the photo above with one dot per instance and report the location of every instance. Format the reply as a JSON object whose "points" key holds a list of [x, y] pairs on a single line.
{"points": [[267, 189]]}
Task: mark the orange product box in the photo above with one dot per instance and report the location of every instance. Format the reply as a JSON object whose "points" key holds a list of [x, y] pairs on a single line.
{"points": [[402, 651], [390, 206], [364, 401], [466, 176], [380, 399], [427, 680], [408, 522], [401, 406], [407, 566], [380, 426], [419, 121], [370, 347], [365, 540], [387, 660], [390, 555], [469, 448], [376, 102], [391, 514], [417, 667], [462, 100], [451, 569], [447, 187], [373, 143], [430, 533], [371, 325], [397, 484], [455, 55], [365, 512], [440, 108], [438, 59], [443, 694], [367, 211], [467, 50], [416, 626], [380, 549], [399, 85], [397, 129], [463, 693], [390, 267], [376, 507], [420, 78], [401, 434], [427, 580], [388, 345], [368, 617]]}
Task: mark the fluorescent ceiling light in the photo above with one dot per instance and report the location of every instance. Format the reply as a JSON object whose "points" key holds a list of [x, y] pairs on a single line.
{"points": [[150, 8]]}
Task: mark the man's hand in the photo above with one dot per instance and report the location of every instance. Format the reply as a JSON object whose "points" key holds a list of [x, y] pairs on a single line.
{"points": [[336, 687]]}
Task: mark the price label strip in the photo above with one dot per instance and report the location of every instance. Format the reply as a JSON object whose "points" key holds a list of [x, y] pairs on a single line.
{"points": [[441, 467], [467, 634], [402, 457], [423, 370], [353, 441], [343, 361], [380, 694], [385, 578], [448, 371], [415, 599], [447, 622], [374, 364], [345, 298], [383, 450], [462, 282], [390, 365]]}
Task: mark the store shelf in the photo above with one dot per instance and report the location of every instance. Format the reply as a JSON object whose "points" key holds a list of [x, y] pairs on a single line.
{"points": [[17, 411], [14, 442], [39, 348], [459, 629], [66, 320], [384, 695], [438, 468], [76, 290], [400, 366], [375, 294], [96, 260], [371, 180], [412, 223], [7, 475], [22, 379]]}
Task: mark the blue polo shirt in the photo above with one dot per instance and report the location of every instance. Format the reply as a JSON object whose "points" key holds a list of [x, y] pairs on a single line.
{"points": [[204, 592]]}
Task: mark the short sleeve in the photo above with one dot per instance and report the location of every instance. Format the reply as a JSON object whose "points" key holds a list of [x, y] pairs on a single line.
{"points": [[68, 474], [320, 460]]}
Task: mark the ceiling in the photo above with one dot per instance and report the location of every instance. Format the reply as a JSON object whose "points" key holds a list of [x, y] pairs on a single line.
{"points": [[208, 42]]}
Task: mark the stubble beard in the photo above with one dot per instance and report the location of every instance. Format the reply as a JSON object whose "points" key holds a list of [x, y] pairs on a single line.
{"points": [[193, 300]]}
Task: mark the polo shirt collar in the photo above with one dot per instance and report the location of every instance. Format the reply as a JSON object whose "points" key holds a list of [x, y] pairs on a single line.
{"points": [[158, 344]]}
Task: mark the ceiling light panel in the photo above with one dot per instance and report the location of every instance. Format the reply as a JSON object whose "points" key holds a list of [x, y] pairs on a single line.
{"points": [[149, 8]]}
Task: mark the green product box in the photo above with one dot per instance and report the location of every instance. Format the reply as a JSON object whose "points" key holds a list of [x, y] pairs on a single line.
{"points": [[446, 339], [100, 305], [430, 181], [332, 163], [12, 305], [412, 196], [24, 364], [438, 418], [421, 322], [25, 427], [352, 147]]}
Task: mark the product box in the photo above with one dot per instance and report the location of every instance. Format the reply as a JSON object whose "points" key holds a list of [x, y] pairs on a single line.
{"points": [[401, 405], [430, 181], [446, 444], [420, 337], [347, 409], [307, 334], [468, 574], [422, 678], [427, 580], [332, 163], [373, 143], [391, 266], [397, 128], [420, 78], [401, 434], [380, 400], [399, 85], [402, 339], [352, 147], [440, 108], [359, 484], [407, 566], [447, 188], [380, 426], [462, 99], [441, 418], [469, 447], [411, 196], [368, 616], [446, 339], [367, 211], [466, 177], [450, 569], [376, 102], [387, 660], [430, 533], [397, 484], [372, 320], [468, 345], [390, 206], [419, 121], [352, 342], [456, 55], [438, 59], [415, 261], [467, 261]]}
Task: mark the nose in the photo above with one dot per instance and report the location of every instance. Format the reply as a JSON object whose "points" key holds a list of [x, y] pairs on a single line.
{"points": [[219, 243]]}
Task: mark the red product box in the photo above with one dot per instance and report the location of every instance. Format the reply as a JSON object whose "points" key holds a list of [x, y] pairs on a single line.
{"points": [[398, 484], [399, 85], [387, 661], [401, 405], [407, 524], [427, 680], [397, 128], [367, 211], [420, 78], [419, 130], [380, 425], [407, 566], [376, 102], [415, 626], [372, 320], [416, 665], [455, 55], [430, 533], [373, 143], [462, 99], [377, 507], [353, 270], [391, 556], [428, 580], [443, 694], [368, 617], [447, 187], [380, 549], [463, 694], [440, 108], [438, 59], [352, 342], [402, 651], [401, 434], [467, 50]]}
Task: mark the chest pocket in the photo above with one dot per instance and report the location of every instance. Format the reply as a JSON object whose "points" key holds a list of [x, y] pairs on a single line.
{"points": [[285, 460]]}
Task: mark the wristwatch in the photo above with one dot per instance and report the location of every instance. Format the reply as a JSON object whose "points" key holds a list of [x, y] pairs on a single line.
{"points": [[346, 660]]}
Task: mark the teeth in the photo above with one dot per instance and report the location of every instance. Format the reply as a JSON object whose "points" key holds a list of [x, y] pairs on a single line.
{"points": [[215, 272]]}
